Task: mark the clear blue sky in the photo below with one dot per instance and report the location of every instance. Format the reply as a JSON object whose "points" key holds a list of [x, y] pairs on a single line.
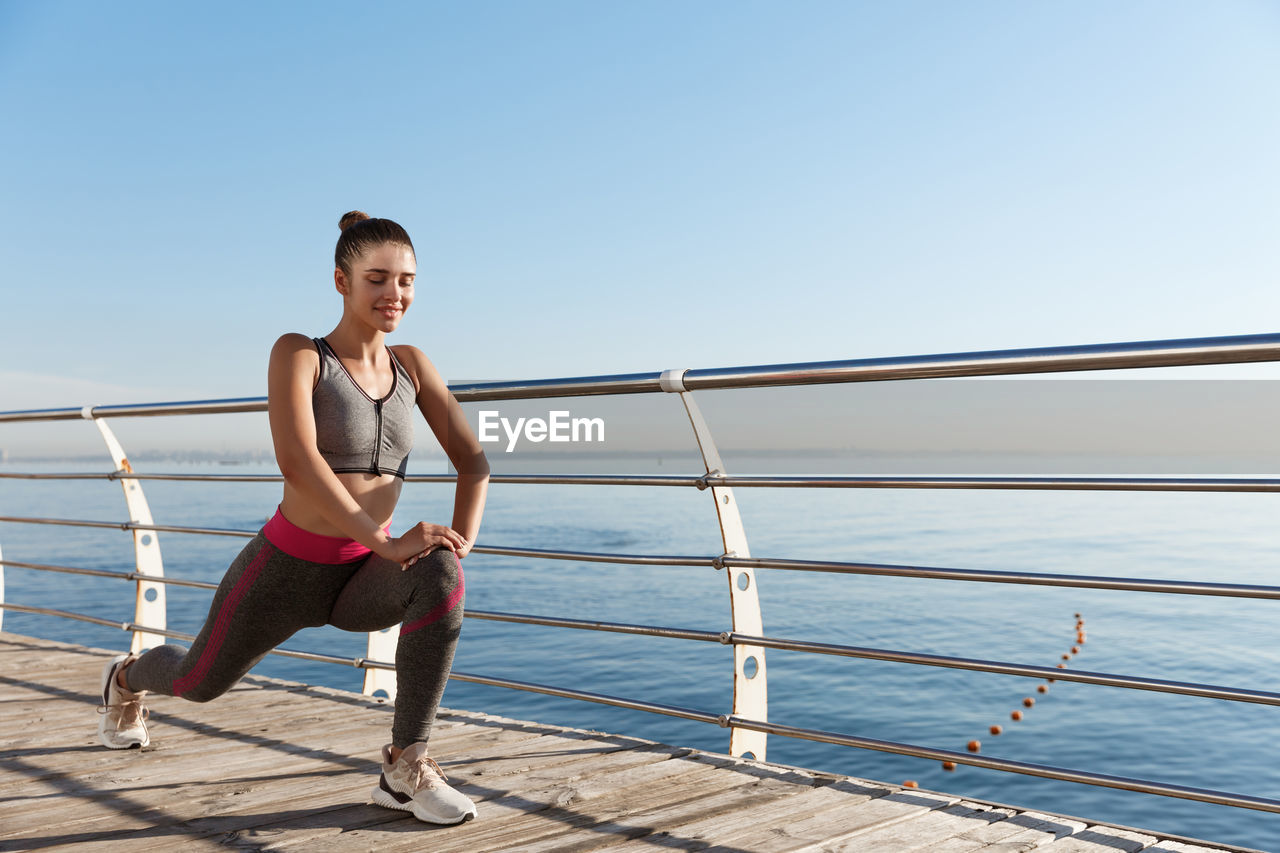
{"points": [[614, 187]]}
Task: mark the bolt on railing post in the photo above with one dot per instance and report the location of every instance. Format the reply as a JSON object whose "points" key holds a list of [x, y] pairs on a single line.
{"points": [[750, 681], [149, 608]]}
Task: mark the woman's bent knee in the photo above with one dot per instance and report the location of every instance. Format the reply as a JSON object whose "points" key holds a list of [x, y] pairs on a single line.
{"points": [[207, 691], [438, 570]]}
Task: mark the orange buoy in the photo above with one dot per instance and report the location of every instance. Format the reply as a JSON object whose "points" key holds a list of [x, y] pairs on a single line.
{"points": [[910, 783], [995, 730], [1075, 650], [1028, 702], [1066, 657], [1042, 689], [1051, 680], [1077, 615], [1062, 666], [949, 766], [974, 745], [1016, 715]]}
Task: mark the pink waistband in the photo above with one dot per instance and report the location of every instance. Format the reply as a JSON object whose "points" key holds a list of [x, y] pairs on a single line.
{"points": [[313, 547]]}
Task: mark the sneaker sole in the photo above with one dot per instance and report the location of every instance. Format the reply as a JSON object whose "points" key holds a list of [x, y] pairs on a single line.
{"points": [[382, 798]]}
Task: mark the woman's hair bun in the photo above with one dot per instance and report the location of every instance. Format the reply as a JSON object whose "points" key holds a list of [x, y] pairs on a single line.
{"points": [[351, 218]]}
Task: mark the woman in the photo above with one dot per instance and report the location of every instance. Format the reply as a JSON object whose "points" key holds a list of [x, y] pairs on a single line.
{"points": [[340, 409]]}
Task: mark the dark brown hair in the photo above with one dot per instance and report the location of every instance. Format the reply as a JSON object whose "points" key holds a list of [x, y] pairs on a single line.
{"points": [[360, 233]]}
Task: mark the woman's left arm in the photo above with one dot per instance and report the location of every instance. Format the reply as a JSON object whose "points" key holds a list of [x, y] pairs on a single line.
{"points": [[449, 424]]}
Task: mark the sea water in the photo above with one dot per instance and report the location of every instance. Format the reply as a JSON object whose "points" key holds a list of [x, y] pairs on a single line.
{"points": [[1186, 536]]}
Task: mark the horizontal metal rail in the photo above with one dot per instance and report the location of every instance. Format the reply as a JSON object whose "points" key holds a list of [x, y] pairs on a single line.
{"points": [[596, 625], [1103, 484], [1205, 795], [597, 557], [1169, 353], [130, 525], [1108, 484], [129, 475], [133, 410], [730, 561], [587, 696], [64, 614], [1238, 349], [107, 573], [1230, 590], [574, 479]]}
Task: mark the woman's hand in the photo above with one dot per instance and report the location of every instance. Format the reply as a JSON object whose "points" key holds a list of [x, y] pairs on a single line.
{"points": [[421, 539]]}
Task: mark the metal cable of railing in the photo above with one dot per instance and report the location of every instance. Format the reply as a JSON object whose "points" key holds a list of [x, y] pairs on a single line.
{"points": [[1031, 578], [1205, 795], [106, 573], [130, 525], [1123, 584], [1107, 484]]}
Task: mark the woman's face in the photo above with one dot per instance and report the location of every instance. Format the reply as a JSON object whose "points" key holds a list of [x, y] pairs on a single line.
{"points": [[380, 288]]}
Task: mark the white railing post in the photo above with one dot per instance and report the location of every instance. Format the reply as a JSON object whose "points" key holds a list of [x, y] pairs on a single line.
{"points": [[149, 608], [750, 682], [382, 646]]}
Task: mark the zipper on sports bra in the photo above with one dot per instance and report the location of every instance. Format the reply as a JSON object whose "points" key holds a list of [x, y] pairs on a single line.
{"points": [[377, 445]]}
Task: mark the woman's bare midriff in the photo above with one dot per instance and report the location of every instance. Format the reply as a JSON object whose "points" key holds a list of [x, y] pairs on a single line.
{"points": [[376, 494]]}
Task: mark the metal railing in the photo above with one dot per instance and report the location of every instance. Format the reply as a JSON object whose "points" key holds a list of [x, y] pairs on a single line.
{"points": [[748, 719]]}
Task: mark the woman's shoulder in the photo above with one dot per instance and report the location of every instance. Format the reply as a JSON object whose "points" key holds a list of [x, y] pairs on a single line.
{"points": [[295, 349], [293, 342], [412, 357], [419, 367], [295, 339]]}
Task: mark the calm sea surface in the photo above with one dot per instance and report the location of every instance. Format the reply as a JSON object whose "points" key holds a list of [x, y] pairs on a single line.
{"points": [[1189, 741]]}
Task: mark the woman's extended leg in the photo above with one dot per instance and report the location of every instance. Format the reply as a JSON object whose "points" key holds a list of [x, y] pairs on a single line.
{"points": [[264, 598], [428, 599]]}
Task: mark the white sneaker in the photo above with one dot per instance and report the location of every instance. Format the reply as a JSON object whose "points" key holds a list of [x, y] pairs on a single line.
{"points": [[416, 783], [122, 721]]}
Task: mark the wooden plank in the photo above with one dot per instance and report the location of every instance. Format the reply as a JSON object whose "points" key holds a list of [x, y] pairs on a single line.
{"points": [[1101, 839], [1017, 831], [770, 827], [921, 831], [1179, 847]]}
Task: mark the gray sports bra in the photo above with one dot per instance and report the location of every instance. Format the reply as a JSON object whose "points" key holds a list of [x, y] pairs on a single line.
{"points": [[354, 432]]}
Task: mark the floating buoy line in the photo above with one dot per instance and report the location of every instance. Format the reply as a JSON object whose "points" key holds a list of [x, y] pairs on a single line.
{"points": [[1016, 715]]}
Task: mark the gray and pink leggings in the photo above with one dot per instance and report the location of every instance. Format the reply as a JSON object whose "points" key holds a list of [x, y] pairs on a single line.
{"points": [[287, 578]]}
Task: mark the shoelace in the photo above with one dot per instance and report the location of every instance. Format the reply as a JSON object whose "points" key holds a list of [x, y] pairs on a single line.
{"points": [[131, 712], [425, 773]]}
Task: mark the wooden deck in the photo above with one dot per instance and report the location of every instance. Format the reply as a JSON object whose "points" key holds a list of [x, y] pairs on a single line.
{"points": [[281, 766]]}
